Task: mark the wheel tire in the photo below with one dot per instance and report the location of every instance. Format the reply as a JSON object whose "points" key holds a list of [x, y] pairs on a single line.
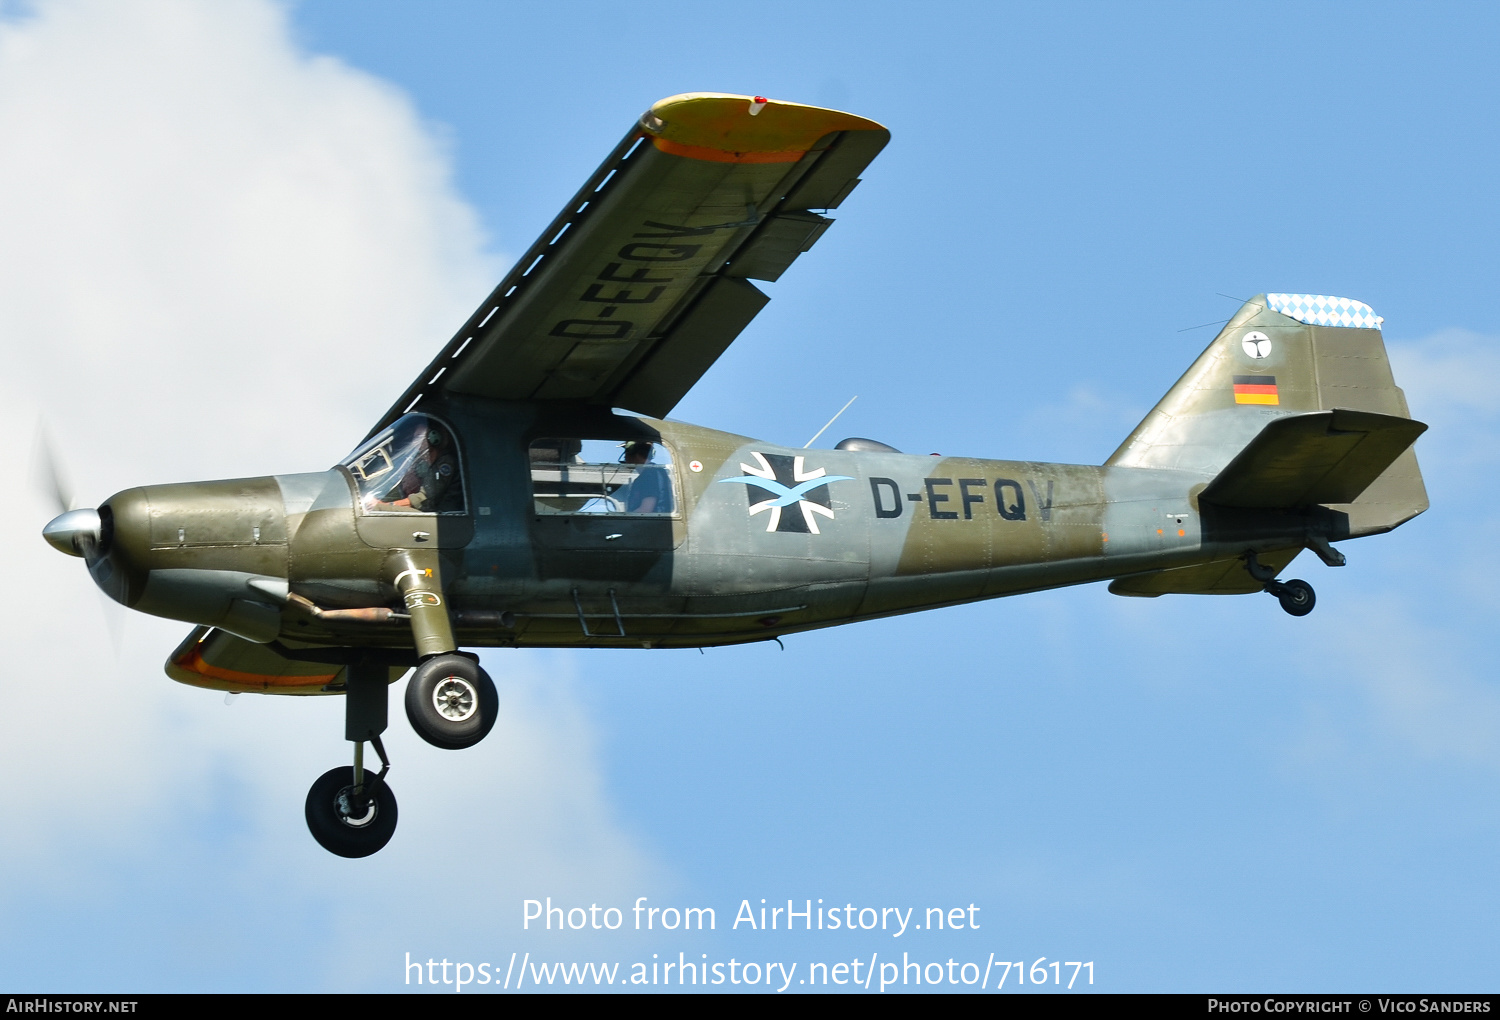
{"points": [[1297, 597], [331, 827], [451, 702]]}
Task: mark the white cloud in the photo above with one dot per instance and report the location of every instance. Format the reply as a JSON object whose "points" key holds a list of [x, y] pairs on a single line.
{"points": [[1452, 382], [1451, 373], [237, 250], [220, 256]]}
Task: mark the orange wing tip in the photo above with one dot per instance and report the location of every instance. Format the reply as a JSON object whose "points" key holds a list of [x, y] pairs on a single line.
{"points": [[189, 667], [722, 128]]}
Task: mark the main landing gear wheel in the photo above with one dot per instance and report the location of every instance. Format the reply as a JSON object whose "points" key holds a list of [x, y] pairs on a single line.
{"points": [[1296, 597], [347, 823], [451, 702]]}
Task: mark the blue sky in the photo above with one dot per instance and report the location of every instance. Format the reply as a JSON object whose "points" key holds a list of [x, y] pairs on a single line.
{"points": [[1193, 793]]}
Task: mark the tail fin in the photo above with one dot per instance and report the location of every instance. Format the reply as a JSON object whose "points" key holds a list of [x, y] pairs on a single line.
{"points": [[1281, 355]]}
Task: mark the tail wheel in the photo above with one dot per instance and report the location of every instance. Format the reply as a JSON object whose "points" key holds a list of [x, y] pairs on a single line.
{"points": [[451, 702], [350, 823], [1297, 597]]}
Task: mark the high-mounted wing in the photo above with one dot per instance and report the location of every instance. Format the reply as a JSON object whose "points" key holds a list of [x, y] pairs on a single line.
{"points": [[643, 280]]}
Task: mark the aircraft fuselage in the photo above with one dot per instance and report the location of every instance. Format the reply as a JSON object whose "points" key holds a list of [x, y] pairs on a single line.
{"points": [[847, 536]]}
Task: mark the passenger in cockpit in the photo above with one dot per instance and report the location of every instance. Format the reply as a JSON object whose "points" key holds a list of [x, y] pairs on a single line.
{"points": [[651, 490]]}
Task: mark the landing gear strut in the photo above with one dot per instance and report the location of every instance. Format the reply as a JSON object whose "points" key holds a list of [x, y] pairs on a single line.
{"points": [[351, 811], [450, 701], [1296, 596]]}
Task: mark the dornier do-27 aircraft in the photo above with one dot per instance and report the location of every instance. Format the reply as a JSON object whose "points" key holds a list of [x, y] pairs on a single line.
{"points": [[506, 500]]}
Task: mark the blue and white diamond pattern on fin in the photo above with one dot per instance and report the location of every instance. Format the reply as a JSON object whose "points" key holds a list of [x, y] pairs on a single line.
{"points": [[1321, 310]]}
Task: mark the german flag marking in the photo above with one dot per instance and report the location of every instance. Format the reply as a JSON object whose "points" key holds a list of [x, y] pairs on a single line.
{"points": [[1255, 389]]}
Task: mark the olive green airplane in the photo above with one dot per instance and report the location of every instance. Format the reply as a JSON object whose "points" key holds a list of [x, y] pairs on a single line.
{"points": [[527, 490]]}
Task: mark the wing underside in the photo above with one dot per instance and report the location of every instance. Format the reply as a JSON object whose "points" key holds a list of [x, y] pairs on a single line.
{"points": [[1226, 576], [644, 278], [219, 661]]}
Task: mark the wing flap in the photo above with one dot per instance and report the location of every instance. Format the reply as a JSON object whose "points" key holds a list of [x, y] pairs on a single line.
{"points": [[1306, 459], [776, 245], [725, 308]]}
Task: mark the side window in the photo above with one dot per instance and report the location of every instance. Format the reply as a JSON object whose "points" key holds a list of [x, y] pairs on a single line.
{"points": [[601, 476], [412, 467]]}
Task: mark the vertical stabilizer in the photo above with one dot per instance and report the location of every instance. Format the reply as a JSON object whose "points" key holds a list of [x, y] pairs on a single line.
{"points": [[1282, 354]]}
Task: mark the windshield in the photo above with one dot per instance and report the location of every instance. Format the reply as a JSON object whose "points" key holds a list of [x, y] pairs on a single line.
{"points": [[412, 467]]}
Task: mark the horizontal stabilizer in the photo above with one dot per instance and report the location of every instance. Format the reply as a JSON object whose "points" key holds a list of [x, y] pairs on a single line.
{"points": [[1319, 457]]}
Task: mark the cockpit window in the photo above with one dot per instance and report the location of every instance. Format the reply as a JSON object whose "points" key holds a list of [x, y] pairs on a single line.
{"points": [[600, 476], [412, 467]]}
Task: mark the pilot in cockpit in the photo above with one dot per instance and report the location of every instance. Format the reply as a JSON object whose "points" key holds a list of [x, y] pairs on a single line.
{"points": [[430, 472]]}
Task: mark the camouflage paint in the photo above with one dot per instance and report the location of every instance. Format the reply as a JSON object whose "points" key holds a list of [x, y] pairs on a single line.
{"points": [[886, 533]]}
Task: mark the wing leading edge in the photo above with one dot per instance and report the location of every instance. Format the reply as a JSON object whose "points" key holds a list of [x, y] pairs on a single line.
{"points": [[642, 281]]}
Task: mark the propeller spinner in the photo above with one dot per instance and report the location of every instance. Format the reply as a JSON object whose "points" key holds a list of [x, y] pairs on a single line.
{"points": [[75, 532]]}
